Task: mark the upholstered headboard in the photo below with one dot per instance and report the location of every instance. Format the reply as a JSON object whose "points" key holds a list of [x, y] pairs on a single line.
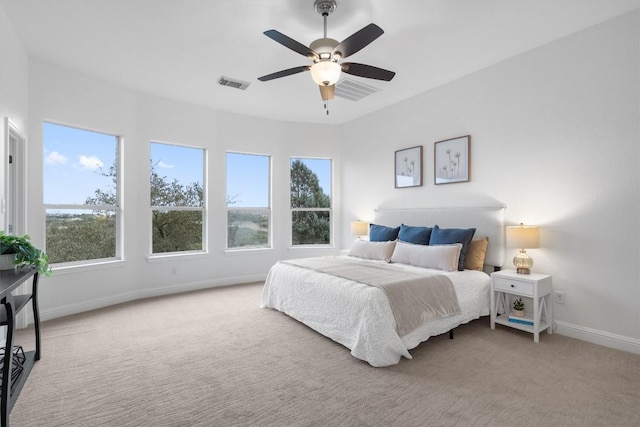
{"points": [[488, 221]]}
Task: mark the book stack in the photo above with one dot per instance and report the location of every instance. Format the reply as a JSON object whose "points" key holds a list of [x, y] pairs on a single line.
{"points": [[523, 320]]}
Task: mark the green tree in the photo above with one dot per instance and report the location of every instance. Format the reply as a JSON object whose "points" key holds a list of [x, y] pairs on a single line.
{"points": [[73, 237], [165, 193], [77, 237], [305, 188], [308, 226], [107, 196], [174, 230], [84, 236]]}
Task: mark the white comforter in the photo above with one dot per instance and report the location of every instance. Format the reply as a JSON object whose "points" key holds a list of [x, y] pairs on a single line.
{"points": [[358, 316]]}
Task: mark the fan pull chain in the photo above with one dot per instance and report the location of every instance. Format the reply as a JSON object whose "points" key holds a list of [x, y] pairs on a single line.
{"points": [[326, 106]]}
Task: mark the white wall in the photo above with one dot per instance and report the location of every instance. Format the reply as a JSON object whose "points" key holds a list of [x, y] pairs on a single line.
{"points": [[13, 93], [554, 136], [65, 96]]}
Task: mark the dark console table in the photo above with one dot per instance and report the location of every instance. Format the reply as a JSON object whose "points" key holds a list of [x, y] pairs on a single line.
{"points": [[11, 305]]}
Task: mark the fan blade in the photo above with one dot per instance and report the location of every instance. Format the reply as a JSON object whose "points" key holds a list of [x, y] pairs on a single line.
{"points": [[368, 71], [290, 43], [358, 40], [327, 92], [284, 73]]}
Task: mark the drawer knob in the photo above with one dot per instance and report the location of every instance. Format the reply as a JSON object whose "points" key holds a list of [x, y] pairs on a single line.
{"points": [[512, 285]]}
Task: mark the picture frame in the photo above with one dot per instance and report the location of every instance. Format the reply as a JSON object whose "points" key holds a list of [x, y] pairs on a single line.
{"points": [[408, 167], [452, 160]]}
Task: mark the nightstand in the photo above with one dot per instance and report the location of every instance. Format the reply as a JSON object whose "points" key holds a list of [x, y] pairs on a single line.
{"points": [[507, 285]]}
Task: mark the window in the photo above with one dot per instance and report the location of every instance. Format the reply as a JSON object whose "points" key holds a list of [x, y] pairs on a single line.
{"points": [[310, 201], [177, 198], [248, 206], [81, 194]]}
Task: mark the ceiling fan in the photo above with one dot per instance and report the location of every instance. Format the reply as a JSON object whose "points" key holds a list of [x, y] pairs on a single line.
{"points": [[326, 54]]}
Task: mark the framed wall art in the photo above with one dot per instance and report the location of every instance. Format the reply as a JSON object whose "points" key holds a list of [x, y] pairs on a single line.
{"points": [[452, 160], [408, 167]]}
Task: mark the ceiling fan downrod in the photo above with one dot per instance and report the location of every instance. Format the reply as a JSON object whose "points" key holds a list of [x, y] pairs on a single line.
{"points": [[325, 8]]}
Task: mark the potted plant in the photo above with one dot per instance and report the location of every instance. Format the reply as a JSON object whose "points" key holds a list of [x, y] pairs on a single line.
{"points": [[17, 250], [518, 307]]}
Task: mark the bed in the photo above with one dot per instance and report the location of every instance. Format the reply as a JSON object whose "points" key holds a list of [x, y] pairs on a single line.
{"points": [[359, 316]]}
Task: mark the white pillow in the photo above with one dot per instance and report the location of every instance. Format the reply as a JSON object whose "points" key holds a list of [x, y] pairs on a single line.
{"points": [[380, 251], [441, 257]]}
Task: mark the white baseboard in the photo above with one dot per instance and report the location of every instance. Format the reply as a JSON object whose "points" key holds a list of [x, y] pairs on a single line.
{"points": [[595, 336], [54, 313]]}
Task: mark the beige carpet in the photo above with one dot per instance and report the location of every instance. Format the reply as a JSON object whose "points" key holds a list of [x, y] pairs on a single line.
{"points": [[213, 358]]}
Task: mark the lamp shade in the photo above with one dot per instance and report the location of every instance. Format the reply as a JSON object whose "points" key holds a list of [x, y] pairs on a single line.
{"points": [[523, 237], [359, 228], [325, 73]]}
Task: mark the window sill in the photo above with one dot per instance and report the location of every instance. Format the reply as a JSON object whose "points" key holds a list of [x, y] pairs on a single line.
{"points": [[247, 251], [62, 269], [312, 248], [176, 255]]}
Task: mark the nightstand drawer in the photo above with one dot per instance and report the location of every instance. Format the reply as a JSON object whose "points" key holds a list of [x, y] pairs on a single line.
{"points": [[501, 284]]}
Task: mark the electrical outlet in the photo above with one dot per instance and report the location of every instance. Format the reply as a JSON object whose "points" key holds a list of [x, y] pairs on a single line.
{"points": [[558, 297], [174, 271]]}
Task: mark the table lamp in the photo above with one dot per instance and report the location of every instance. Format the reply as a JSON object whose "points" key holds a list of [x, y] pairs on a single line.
{"points": [[359, 228], [523, 237]]}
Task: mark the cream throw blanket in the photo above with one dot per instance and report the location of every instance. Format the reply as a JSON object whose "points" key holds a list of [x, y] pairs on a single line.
{"points": [[414, 298]]}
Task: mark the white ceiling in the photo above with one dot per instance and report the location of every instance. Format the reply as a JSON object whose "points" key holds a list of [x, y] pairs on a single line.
{"points": [[179, 49]]}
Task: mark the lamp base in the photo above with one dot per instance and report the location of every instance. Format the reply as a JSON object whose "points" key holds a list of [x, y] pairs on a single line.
{"points": [[523, 262]]}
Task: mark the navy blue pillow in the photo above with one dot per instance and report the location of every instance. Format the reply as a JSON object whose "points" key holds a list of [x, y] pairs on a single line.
{"points": [[415, 235], [381, 233], [447, 236]]}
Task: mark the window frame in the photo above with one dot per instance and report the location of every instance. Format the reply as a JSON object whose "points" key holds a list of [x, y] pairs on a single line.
{"points": [[329, 209], [119, 255], [269, 208], [204, 208]]}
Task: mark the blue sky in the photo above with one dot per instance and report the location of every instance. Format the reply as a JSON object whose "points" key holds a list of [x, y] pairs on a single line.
{"points": [[247, 180], [246, 183], [176, 162], [74, 160]]}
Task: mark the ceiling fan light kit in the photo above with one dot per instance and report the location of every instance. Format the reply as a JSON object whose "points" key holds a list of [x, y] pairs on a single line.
{"points": [[325, 73], [325, 53]]}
